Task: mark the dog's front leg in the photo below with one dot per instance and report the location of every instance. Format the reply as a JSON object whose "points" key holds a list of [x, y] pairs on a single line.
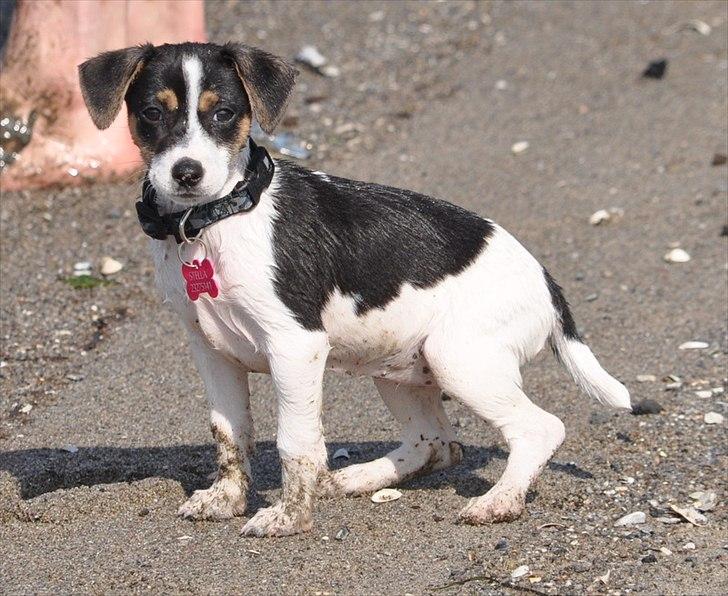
{"points": [[226, 384], [297, 366]]}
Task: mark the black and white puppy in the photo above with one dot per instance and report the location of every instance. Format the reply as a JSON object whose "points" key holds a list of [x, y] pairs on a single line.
{"points": [[325, 272]]}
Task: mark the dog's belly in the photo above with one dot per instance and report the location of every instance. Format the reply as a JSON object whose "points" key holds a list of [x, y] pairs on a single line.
{"points": [[384, 343]]}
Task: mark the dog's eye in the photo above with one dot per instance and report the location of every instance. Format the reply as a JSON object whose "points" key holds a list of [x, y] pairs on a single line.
{"points": [[152, 114], [223, 115]]}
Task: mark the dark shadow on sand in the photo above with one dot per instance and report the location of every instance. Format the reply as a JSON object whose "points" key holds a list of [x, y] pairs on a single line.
{"points": [[40, 471]]}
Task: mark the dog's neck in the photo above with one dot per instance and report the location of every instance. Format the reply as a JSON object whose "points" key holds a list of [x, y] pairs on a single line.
{"points": [[167, 204]]}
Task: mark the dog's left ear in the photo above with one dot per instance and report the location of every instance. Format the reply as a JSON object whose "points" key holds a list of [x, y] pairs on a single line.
{"points": [[267, 79], [105, 79]]}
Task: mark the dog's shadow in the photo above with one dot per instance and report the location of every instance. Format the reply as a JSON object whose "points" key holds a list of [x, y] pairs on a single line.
{"points": [[40, 471]]}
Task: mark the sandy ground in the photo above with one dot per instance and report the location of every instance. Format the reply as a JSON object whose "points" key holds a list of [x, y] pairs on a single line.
{"points": [[418, 104]]}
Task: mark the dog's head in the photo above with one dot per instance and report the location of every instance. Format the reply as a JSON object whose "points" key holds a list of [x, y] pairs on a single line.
{"points": [[190, 109]]}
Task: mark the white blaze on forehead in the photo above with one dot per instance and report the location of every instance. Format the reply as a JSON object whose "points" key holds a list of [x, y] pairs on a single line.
{"points": [[192, 70]]}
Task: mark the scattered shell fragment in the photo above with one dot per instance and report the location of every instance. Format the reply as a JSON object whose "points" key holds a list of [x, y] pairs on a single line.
{"points": [[665, 551], [604, 578], [519, 147], [534, 579], [311, 57], [646, 378], [613, 214], [713, 418], [519, 571], [342, 533], [698, 26], [341, 453], [81, 268], [109, 266], [693, 345], [631, 519], [70, 448], [717, 391], [26, 408], [677, 255], [689, 546], [704, 500], [690, 514], [385, 495], [704, 393]]}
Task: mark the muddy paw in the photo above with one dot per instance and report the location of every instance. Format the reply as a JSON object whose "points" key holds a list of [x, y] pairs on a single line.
{"points": [[494, 507], [220, 501], [277, 521]]}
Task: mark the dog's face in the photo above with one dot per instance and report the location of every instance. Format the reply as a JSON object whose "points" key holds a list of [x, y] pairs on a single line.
{"points": [[190, 108]]}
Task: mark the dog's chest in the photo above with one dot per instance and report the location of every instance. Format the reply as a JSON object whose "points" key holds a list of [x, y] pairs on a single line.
{"points": [[237, 320]]}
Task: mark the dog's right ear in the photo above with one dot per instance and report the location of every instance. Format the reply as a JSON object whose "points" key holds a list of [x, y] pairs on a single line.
{"points": [[105, 79]]}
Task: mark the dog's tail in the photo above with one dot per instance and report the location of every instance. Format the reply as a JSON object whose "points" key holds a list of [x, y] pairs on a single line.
{"points": [[578, 359]]}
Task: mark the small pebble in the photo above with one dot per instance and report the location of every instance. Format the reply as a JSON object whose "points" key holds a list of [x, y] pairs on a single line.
{"points": [[109, 266], [143, 512], [26, 408], [704, 500], [719, 159], [70, 448], [677, 255], [646, 378], [519, 147], [665, 551], [651, 558], [704, 394], [519, 571], [693, 345], [655, 69], [631, 519], [646, 406], [341, 453], [502, 544], [689, 546], [342, 533], [713, 418]]}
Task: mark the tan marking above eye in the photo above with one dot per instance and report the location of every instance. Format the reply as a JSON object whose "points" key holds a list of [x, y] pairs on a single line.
{"points": [[168, 99], [208, 99]]}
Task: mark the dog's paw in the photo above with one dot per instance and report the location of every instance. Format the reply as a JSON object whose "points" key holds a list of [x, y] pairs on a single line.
{"points": [[277, 520], [222, 500], [497, 505]]}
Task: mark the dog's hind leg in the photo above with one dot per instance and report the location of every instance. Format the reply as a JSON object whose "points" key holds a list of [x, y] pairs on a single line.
{"points": [[485, 376], [232, 427], [428, 441]]}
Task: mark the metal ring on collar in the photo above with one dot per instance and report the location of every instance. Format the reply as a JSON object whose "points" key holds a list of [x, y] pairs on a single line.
{"points": [[192, 263], [181, 228]]}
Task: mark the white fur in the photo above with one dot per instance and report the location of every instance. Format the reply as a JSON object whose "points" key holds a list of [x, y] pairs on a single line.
{"points": [[221, 169], [467, 335]]}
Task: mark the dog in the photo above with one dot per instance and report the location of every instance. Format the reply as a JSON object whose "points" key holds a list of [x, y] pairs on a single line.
{"points": [[291, 272]]}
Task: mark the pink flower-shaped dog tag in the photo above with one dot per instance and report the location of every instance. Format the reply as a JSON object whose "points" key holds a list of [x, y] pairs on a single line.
{"points": [[200, 279]]}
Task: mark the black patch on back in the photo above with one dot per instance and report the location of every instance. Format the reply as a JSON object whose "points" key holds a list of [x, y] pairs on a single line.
{"points": [[562, 308], [364, 239]]}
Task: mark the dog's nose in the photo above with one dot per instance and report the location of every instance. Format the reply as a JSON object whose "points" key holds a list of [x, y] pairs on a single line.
{"points": [[187, 172]]}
